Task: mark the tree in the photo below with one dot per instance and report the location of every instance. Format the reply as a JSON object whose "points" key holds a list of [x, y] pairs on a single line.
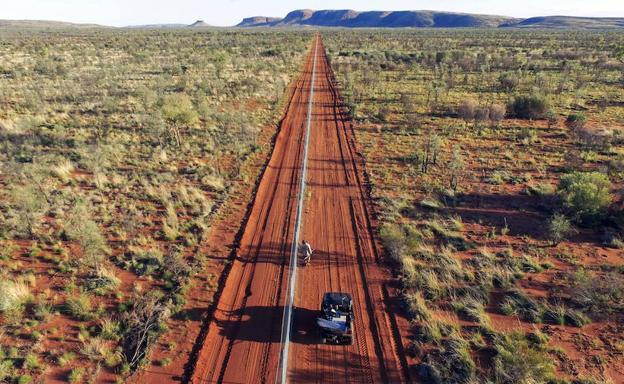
{"points": [[177, 109], [587, 195]]}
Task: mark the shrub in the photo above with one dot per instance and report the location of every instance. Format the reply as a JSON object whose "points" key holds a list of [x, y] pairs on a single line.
{"points": [[65, 358], [417, 306], [24, 379], [452, 364], [576, 121], [80, 307], [29, 205], [559, 227], [497, 113], [597, 295], [178, 109], [576, 318], [13, 295], [529, 107], [75, 375], [508, 81], [141, 325], [6, 369], [110, 330], [31, 361], [467, 109], [94, 349], [472, 309], [102, 281], [587, 195], [518, 362], [393, 240], [519, 304]]}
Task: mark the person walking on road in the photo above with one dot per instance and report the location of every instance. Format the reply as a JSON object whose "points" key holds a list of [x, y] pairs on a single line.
{"points": [[307, 252]]}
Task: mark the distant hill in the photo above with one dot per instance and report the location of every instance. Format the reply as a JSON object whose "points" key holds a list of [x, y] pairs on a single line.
{"points": [[44, 24], [376, 19], [424, 19], [199, 24], [571, 22]]}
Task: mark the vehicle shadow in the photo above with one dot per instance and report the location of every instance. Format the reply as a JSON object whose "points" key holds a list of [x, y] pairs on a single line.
{"points": [[263, 324]]}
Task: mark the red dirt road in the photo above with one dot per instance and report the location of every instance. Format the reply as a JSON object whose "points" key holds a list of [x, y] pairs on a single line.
{"points": [[242, 343]]}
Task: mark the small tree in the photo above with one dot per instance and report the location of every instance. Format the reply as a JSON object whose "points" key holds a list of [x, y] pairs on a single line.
{"points": [[29, 205], [552, 119], [586, 195], [559, 228], [178, 111], [456, 166]]}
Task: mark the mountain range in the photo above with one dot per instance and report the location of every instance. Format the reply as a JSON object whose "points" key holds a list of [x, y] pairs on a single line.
{"points": [[424, 19]]}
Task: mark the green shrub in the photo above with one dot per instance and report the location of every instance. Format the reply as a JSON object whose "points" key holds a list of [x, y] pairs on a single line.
{"points": [[65, 359], [75, 375], [31, 361], [587, 195], [24, 379], [576, 121], [559, 227], [6, 369], [529, 107], [80, 307]]}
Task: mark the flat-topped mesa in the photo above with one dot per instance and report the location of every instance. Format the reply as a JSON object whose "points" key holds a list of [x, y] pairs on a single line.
{"points": [[258, 21]]}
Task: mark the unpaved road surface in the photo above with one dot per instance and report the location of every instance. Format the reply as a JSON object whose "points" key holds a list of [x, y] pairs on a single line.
{"points": [[242, 342]]}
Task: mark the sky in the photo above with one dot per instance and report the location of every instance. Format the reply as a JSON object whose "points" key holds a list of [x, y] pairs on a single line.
{"points": [[231, 12]]}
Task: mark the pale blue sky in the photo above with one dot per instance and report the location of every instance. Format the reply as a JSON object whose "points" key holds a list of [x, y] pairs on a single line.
{"points": [[230, 12]]}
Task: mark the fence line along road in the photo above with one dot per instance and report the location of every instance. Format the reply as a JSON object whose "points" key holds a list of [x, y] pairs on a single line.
{"points": [[282, 377]]}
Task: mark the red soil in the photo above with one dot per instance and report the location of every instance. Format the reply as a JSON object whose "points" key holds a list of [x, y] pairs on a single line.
{"points": [[242, 342]]}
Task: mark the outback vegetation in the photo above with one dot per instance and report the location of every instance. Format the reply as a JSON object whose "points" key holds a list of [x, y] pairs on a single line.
{"points": [[495, 161], [118, 149]]}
